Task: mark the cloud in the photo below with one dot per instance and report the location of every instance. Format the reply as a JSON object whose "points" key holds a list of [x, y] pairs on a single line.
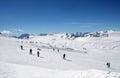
{"points": [[18, 30], [6, 32], [84, 24], [91, 24], [88, 24], [78, 23], [73, 23]]}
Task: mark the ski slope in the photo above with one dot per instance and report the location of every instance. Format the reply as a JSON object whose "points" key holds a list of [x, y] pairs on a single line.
{"points": [[86, 57]]}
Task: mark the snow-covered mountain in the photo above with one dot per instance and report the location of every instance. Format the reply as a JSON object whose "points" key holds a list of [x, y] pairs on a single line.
{"points": [[77, 34], [86, 57], [23, 36], [92, 34]]}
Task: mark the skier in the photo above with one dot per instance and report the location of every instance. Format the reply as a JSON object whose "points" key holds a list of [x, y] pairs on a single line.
{"points": [[21, 47], [84, 48], [108, 65], [53, 49], [30, 51], [64, 56], [58, 50], [38, 53]]}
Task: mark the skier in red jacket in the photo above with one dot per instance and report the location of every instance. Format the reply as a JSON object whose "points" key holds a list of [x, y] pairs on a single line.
{"points": [[38, 53]]}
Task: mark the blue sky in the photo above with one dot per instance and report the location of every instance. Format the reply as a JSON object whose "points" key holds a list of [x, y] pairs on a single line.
{"points": [[49, 16]]}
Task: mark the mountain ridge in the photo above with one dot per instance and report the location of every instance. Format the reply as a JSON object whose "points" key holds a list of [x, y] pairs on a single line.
{"points": [[75, 35]]}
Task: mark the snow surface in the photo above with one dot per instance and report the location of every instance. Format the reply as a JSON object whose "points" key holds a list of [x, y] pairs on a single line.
{"points": [[86, 57]]}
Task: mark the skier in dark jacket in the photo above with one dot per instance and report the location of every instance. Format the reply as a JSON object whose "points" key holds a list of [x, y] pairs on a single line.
{"points": [[21, 47], [53, 49], [108, 64], [64, 56], [30, 51], [38, 53], [58, 50]]}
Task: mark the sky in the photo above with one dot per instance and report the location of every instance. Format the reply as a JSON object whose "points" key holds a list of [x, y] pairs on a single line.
{"points": [[51, 16]]}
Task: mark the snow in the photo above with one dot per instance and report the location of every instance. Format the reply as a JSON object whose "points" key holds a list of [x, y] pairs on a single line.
{"points": [[23, 71], [86, 57]]}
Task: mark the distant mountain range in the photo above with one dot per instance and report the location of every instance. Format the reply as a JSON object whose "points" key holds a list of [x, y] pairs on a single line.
{"points": [[73, 35], [76, 35]]}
